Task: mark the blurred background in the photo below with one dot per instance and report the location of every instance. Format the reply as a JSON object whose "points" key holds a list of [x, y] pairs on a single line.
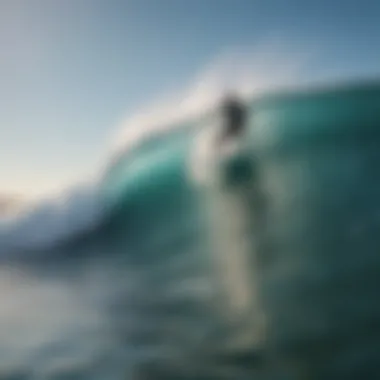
{"points": [[106, 268]]}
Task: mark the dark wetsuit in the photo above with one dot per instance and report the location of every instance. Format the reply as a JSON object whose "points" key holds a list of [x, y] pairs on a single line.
{"points": [[234, 117]]}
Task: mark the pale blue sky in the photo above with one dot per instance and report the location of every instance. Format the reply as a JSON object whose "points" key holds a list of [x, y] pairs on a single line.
{"points": [[71, 70]]}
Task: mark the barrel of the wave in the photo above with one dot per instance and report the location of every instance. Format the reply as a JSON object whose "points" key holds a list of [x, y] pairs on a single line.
{"points": [[319, 235], [228, 184]]}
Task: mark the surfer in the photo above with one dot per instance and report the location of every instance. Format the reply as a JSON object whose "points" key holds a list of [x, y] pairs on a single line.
{"points": [[234, 117]]}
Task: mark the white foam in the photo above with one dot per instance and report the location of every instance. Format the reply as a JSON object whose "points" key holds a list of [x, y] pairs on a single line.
{"points": [[50, 221]]}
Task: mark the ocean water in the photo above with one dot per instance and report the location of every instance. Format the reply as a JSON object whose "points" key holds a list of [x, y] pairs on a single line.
{"points": [[166, 267], [115, 280]]}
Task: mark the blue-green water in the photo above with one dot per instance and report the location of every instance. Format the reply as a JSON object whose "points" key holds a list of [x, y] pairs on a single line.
{"points": [[270, 273]]}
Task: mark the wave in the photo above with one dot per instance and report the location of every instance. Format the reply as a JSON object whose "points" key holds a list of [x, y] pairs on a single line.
{"points": [[48, 223], [77, 210], [124, 287]]}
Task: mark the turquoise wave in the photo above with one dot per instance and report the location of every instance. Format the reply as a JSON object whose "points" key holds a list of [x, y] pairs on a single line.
{"points": [[313, 154], [160, 286]]}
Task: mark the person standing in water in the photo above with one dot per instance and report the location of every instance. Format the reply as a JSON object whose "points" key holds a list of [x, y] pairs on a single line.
{"points": [[234, 117]]}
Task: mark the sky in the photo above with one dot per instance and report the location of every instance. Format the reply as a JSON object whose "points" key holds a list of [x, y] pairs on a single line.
{"points": [[72, 71]]}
